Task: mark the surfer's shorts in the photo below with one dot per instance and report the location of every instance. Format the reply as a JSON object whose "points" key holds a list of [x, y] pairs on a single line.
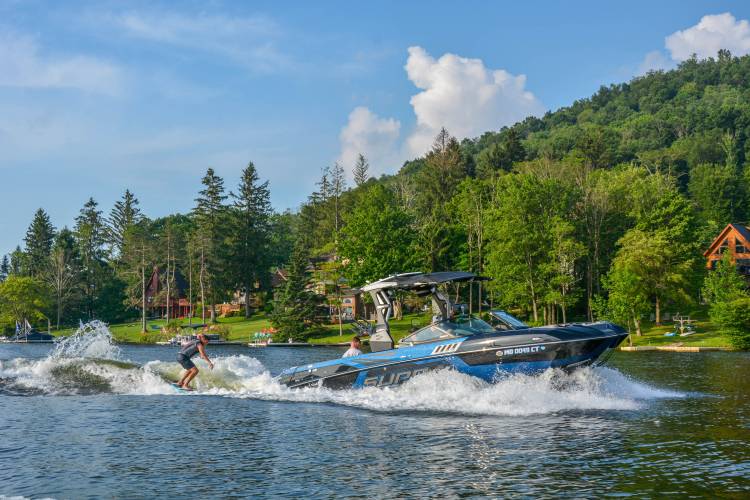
{"points": [[186, 362]]}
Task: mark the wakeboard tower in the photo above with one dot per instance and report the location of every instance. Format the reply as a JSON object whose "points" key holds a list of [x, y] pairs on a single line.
{"points": [[456, 341]]}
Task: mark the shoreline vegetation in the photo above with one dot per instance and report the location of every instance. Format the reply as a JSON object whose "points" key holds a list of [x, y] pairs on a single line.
{"points": [[240, 329], [620, 207]]}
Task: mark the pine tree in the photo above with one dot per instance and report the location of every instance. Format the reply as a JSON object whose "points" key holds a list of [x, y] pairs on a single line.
{"points": [[295, 311], [338, 186], [360, 172], [39, 237], [17, 262], [90, 236], [124, 215], [209, 211], [4, 268], [63, 271], [136, 261], [251, 211], [437, 181]]}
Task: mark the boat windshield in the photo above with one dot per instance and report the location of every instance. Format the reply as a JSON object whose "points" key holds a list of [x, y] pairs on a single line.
{"points": [[462, 326]]}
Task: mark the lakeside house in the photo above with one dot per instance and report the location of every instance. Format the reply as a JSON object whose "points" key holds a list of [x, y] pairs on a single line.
{"points": [[156, 296], [734, 239]]}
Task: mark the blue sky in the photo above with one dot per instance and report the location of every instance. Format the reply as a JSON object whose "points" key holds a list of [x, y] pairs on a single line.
{"points": [[96, 97]]}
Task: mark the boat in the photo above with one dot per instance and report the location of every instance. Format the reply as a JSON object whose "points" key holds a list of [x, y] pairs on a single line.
{"points": [[456, 341]]}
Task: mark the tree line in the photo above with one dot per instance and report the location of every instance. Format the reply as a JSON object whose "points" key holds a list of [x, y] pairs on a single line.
{"points": [[100, 268]]}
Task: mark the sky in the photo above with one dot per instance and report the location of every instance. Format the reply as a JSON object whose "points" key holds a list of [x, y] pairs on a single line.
{"points": [[97, 97]]}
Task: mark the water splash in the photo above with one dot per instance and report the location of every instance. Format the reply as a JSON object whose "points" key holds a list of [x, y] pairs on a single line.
{"points": [[91, 340]]}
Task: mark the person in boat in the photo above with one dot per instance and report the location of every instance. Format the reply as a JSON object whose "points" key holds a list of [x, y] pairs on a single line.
{"points": [[354, 348], [188, 351]]}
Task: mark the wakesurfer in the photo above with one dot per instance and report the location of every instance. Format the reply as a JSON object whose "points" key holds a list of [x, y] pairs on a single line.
{"points": [[189, 350]]}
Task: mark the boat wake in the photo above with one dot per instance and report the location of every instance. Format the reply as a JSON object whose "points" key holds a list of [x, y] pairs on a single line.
{"points": [[89, 363]]}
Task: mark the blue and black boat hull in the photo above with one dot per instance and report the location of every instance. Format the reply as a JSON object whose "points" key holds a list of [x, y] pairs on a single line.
{"points": [[486, 356]]}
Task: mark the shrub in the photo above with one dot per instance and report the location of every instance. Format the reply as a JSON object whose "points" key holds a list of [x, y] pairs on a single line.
{"points": [[172, 326], [222, 330], [733, 317]]}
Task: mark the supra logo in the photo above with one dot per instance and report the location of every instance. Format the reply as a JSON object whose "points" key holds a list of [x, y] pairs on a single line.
{"points": [[446, 348], [393, 378]]}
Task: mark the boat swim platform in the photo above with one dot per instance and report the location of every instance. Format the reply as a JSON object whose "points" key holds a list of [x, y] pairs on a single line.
{"points": [[673, 348]]}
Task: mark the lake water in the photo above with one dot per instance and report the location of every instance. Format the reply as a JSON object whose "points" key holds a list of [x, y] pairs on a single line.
{"points": [[97, 421]]}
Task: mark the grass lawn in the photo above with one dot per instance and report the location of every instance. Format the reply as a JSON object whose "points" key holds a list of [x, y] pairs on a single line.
{"points": [[240, 329], [706, 334]]}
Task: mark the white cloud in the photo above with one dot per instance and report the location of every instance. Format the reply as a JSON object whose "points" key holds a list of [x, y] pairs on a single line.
{"points": [[370, 135], [457, 93], [22, 65], [713, 32], [654, 61], [464, 96], [250, 41]]}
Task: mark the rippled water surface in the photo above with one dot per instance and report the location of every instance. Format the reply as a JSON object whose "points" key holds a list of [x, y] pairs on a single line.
{"points": [[89, 420]]}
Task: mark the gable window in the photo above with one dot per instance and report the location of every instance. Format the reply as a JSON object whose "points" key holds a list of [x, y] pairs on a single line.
{"points": [[740, 248]]}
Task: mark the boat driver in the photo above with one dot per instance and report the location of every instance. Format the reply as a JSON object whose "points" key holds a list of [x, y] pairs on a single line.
{"points": [[354, 348], [189, 350]]}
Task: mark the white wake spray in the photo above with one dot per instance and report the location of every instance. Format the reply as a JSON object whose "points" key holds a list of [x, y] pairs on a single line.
{"points": [[89, 362]]}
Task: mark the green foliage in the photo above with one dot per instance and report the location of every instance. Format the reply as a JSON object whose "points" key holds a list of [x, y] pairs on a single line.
{"points": [[4, 268], [209, 214], [295, 312], [90, 235], [717, 192], [724, 284], [733, 317], [360, 171], [39, 238], [22, 298], [248, 234], [521, 238], [378, 238], [124, 215]]}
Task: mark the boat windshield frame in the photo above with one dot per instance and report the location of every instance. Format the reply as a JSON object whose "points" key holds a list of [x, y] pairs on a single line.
{"points": [[462, 326]]}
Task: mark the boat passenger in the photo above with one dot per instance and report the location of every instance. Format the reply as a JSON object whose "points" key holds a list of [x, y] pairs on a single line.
{"points": [[354, 348], [189, 350]]}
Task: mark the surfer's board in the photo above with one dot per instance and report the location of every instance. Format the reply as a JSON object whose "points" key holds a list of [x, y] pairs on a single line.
{"points": [[180, 389]]}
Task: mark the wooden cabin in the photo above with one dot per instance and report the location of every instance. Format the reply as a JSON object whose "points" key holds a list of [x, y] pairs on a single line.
{"points": [[735, 240], [156, 300]]}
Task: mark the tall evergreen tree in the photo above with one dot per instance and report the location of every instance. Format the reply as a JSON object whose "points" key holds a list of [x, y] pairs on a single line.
{"points": [[361, 169], [250, 233], [437, 181], [124, 215], [209, 212], [39, 237], [63, 271], [4, 268], [90, 236], [295, 310]]}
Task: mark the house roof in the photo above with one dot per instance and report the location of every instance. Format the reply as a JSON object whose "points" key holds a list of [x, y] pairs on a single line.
{"points": [[740, 229]]}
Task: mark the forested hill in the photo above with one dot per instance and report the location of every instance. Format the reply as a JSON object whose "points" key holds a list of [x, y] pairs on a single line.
{"points": [[671, 121]]}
